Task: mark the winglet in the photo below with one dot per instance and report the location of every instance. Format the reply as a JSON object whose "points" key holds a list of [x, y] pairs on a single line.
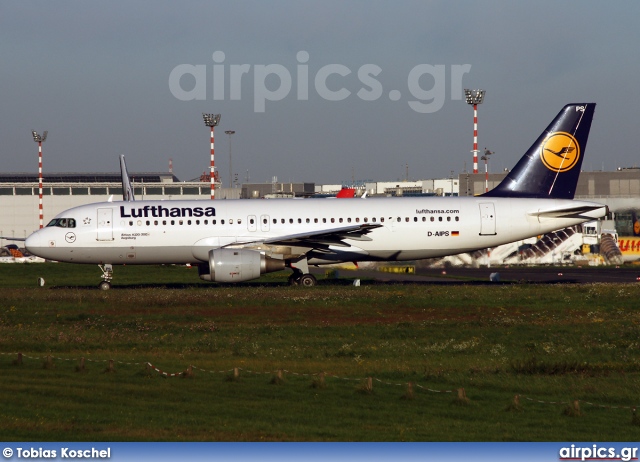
{"points": [[127, 189], [551, 166]]}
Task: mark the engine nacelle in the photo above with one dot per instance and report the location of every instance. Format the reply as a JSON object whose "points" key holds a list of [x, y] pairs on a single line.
{"points": [[237, 265]]}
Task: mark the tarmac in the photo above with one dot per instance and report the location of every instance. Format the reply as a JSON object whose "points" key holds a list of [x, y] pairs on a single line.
{"points": [[512, 274]]}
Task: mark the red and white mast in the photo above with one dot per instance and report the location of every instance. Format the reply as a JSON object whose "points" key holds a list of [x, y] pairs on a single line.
{"points": [[40, 139], [212, 120], [474, 97]]}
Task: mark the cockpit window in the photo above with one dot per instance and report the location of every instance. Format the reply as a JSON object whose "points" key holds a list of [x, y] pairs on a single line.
{"points": [[63, 222]]}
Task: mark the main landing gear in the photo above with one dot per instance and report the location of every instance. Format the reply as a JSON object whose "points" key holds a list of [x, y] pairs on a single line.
{"points": [[297, 278], [107, 275], [301, 275]]}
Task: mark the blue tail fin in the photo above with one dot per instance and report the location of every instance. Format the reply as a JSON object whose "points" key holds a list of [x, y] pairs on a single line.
{"points": [[551, 166]]}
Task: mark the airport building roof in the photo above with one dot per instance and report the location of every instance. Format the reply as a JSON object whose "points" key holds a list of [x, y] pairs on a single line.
{"points": [[89, 177]]}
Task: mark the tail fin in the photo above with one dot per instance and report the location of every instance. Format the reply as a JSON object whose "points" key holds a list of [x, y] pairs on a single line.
{"points": [[551, 166], [127, 189]]}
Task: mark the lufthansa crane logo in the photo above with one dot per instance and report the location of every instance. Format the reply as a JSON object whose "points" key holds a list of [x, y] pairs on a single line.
{"points": [[560, 152]]}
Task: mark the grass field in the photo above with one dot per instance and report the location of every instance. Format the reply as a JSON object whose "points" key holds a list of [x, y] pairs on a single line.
{"points": [[552, 345]]}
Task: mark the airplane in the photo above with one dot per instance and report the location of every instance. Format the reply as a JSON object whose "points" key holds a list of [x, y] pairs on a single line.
{"points": [[239, 240]]}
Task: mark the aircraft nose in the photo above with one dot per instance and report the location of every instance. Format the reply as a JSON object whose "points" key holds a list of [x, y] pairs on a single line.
{"points": [[33, 243]]}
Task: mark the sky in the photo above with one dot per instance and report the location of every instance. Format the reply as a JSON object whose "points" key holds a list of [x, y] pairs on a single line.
{"points": [[316, 91]]}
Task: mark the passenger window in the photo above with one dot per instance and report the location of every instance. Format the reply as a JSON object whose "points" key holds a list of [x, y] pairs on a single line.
{"points": [[341, 220], [348, 220], [432, 219], [457, 218], [448, 218], [439, 218], [333, 220]]}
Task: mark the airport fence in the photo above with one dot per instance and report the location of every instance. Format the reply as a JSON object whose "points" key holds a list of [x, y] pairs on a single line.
{"points": [[278, 377]]}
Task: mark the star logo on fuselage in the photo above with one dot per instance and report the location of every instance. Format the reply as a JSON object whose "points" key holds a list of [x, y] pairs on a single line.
{"points": [[87, 221]]}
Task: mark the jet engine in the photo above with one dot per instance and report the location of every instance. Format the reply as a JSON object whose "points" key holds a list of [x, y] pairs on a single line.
{"points": [[237, 265]]}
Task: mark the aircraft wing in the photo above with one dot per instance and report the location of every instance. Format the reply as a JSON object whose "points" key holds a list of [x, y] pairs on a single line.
{"points": [[325, 238], [291, 245], [7, 238]]}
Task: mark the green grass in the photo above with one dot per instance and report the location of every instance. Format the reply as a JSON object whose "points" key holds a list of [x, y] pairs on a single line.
{"points": [[545, 343]]}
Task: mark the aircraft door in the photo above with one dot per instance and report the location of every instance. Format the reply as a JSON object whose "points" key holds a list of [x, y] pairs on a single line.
{"points": [[105, 225], [252, 226], [264, 223], [487, 219]]}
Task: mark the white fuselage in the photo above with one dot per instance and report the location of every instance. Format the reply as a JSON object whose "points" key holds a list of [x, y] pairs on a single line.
{"points": [[153, 232]]}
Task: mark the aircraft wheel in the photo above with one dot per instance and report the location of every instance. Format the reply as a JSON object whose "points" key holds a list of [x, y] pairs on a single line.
{"points": [[308, 280], [104, 285]]}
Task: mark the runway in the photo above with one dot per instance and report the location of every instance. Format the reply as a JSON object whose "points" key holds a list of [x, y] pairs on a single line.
{"points": [[537, 275]]}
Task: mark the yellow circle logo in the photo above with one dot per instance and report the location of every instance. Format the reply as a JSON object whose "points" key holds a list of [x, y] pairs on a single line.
{"points": [[560, 152]]}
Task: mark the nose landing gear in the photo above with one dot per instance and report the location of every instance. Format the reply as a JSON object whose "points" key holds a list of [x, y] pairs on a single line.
{"points": [[107, 275]]}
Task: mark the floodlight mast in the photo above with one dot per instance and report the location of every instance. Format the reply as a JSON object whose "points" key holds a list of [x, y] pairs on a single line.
{"points": [[212, 120], [40, 139], [474, 97], [230, 132]]}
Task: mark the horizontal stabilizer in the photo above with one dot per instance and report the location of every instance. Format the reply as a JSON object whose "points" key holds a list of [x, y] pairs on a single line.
{"points": [[578, 211]]}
